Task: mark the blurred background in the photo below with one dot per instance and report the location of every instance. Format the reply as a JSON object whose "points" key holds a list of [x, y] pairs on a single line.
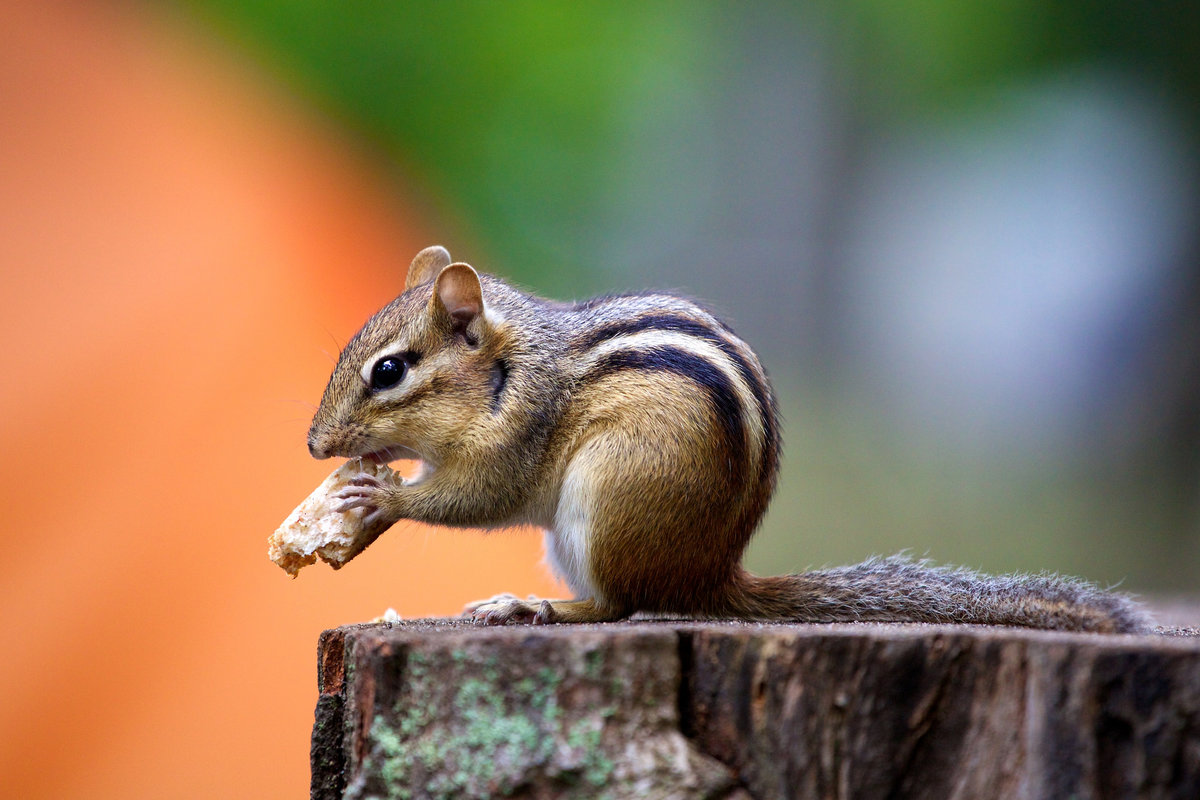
{"points": [[962, 236]]}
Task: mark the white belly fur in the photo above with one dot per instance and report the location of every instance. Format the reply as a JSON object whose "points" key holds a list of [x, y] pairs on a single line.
{"points": [[567, 541]]}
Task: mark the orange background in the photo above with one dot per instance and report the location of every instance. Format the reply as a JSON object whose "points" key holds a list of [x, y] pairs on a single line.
{"points": [[181, 255]]}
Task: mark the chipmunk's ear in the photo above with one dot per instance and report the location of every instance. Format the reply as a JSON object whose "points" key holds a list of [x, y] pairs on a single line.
{"points": [[458, 294], [426, 266]]}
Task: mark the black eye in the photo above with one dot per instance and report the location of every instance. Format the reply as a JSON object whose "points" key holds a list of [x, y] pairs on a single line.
{"points": [[387, 372]]}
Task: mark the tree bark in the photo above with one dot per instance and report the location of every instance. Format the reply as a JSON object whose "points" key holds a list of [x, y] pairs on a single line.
{"points": [[440, 708]]}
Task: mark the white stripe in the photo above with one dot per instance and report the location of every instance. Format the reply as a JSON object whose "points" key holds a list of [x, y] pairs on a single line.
{"points": [[702, 348]]}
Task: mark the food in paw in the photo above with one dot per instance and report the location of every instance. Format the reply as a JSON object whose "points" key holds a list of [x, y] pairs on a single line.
{"points": [[316, 529]]}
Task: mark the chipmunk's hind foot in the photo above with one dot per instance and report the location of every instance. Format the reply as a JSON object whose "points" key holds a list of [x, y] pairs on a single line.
{"points": [[505, 608]]}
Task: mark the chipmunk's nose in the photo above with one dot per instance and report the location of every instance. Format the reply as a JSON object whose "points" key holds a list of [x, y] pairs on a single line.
{"points": [[316, 450]]}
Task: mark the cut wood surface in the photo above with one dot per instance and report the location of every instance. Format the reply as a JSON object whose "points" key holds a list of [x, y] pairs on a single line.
{"points": [[666, 709]]}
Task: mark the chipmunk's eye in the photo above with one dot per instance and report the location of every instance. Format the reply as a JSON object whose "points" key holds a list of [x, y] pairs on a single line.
{"points": [[387, 372]]}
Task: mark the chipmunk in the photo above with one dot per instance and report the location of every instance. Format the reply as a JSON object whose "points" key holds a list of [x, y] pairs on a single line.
{"points": [[642, 435]]}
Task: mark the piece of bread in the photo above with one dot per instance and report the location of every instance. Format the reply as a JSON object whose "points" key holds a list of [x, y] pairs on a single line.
{"points": [[315, 530]]}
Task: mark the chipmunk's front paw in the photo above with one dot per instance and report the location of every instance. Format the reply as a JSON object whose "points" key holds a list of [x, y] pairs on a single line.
{"points": [[505, 608], [378, 497]]}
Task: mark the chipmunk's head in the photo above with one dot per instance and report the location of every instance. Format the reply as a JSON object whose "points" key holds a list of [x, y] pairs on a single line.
{"points": [[417, 375]]}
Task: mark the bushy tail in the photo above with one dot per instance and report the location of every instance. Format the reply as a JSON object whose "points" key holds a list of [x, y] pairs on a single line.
{"points": [[899, 589]]}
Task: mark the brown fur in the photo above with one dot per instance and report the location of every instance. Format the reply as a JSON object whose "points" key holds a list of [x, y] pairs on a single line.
{"points": [[642, 434]]}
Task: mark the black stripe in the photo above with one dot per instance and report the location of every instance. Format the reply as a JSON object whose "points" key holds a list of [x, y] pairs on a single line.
{"points": [[679, 323], [659, 322], [604, 299], [721, 394], [499, 381]]}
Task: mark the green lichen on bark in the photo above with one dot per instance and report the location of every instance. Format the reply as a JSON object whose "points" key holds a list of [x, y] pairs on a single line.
{"points": [[500, 728], [553, 717]]}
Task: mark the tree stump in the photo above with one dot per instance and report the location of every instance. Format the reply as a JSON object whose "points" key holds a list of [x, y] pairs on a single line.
{"points": [[668, 709]]}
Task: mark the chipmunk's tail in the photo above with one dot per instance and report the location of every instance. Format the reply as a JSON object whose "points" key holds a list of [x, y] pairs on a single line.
{"points": [[900, 589]]}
